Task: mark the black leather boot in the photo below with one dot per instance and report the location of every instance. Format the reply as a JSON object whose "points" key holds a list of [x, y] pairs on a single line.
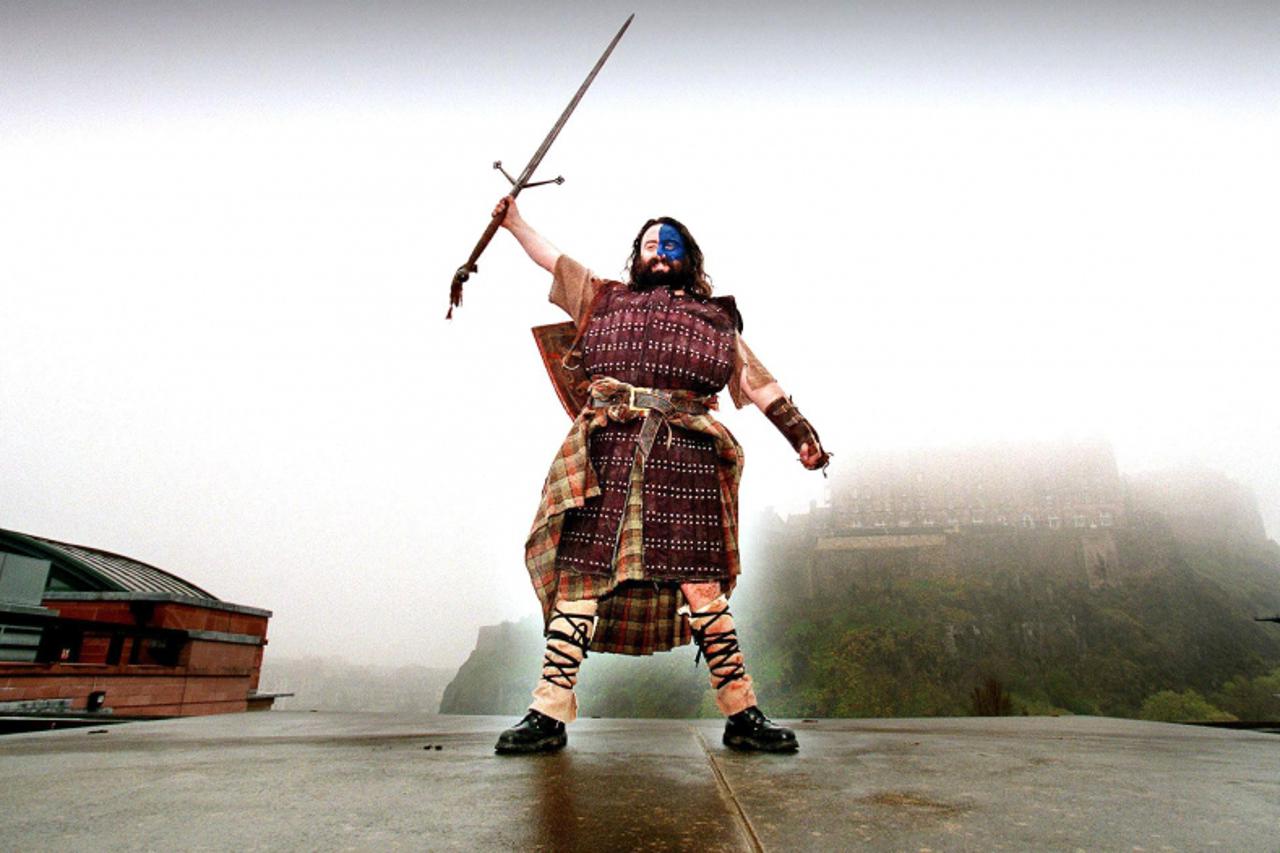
{"points": [[752, 731], [535, 733]]}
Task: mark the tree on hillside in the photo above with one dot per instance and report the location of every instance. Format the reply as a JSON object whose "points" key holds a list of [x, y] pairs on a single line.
{"points": [[1256, 699], [1186, 707]]}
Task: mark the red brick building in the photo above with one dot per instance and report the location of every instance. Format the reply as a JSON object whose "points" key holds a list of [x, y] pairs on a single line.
{"points": [[85, 630]]}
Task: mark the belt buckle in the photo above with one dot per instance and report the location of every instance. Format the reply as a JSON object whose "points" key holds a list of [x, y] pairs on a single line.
{"points": [[631, 399]]}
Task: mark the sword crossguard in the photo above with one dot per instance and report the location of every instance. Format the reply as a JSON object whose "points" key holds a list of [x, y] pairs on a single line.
{"points": [[497, 164]]}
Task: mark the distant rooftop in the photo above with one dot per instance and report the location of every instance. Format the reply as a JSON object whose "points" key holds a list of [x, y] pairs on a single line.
{"points": [[80, 568]]}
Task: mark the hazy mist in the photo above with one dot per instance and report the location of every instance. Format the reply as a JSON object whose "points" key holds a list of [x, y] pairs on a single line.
{"points": [[227, 232]]}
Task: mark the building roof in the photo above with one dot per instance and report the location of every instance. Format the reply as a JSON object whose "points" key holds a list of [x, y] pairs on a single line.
{"points": [[91, 569]]}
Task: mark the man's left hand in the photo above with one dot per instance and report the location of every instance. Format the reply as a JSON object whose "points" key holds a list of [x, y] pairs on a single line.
{"points": [[812, 456]]}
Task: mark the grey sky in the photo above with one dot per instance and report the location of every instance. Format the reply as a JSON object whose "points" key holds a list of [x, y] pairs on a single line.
{"points": [[226, 233]]}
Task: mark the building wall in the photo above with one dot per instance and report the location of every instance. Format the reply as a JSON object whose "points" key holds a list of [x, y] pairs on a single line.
{"points": [[831, 565], [154, 669], [137, 692], [1025, 487], [162, 614]]}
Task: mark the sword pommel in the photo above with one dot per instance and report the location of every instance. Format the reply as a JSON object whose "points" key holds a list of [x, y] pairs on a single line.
{"points": [[455, 290]]}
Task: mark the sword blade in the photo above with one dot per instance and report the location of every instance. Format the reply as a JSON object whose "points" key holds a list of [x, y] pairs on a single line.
{"points": [[568, 110], [464, 272]]}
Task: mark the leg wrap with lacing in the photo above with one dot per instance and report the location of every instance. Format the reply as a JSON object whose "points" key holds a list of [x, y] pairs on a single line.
{"points": [[712, 627], [569, 633], [560, 666], [720, 648]]}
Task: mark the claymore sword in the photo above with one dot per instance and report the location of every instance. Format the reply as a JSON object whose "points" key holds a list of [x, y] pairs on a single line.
{"points": [[517, 184]]}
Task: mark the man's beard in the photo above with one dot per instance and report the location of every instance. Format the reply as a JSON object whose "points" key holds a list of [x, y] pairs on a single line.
{"points": [[677, 276]]}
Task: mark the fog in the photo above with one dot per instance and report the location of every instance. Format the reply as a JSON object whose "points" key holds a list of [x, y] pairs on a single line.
{"points": [[227, 232]]}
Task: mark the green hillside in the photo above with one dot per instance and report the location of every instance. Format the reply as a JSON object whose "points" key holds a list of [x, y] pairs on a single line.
{"points": [[1175, 614], [1150, 620]]}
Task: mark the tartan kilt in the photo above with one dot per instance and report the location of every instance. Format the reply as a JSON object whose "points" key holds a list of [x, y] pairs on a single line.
{"points": [[635, 616]]}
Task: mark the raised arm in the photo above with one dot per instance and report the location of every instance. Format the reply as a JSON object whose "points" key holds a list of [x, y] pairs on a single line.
{"points": [[534, 244]]}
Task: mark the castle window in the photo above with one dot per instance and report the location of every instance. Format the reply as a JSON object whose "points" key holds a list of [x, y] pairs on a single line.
{"points": [[1027, 520], [1105, 519], [1055, 522], [1081, 521]]}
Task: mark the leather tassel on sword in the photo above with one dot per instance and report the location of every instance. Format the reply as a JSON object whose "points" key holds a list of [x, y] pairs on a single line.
{"points": [[517, 184]]}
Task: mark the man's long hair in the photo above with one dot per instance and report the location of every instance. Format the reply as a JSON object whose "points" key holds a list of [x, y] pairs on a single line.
{"points": [[694, 279]]}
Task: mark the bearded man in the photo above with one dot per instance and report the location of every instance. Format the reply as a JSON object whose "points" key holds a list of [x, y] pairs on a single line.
{"points": [[634, 549]]}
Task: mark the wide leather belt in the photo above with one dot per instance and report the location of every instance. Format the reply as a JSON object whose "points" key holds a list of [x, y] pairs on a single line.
{"points": [[640, 399], [656, 405]]}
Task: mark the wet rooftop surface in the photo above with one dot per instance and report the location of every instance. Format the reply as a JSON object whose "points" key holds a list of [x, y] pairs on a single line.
{"points": [[296, 780]]}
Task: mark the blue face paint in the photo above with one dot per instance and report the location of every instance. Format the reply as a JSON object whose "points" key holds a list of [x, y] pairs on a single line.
{"points": [[670, 246]]}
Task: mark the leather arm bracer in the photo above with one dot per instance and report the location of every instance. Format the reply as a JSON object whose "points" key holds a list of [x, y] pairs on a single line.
{"points": [[795, 427]]}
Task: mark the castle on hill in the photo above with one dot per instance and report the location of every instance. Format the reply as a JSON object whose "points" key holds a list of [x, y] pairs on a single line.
{"points": [[1026, 486], [1063, 509]]}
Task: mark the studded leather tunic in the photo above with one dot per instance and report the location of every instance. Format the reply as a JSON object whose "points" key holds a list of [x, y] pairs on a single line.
{"points": [[655, 339]]}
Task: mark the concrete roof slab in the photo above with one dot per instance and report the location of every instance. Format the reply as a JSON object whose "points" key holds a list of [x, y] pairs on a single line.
{"points": [[341, 781]]}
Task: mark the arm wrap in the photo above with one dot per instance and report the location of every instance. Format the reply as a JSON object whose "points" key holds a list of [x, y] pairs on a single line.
{"points": [[795, 427]]}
